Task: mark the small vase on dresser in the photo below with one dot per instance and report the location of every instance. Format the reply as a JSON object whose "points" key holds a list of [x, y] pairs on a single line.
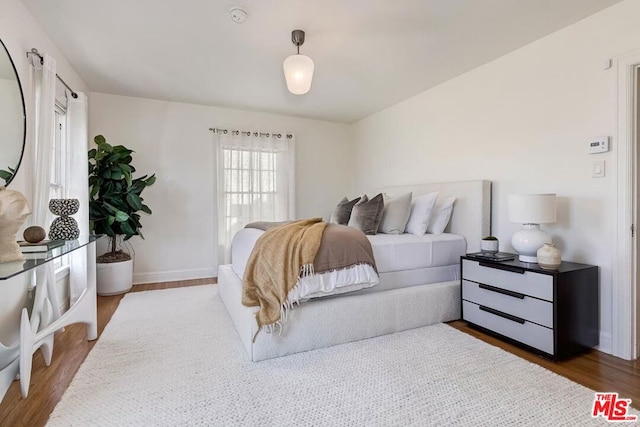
{"points": [[549, 257]]}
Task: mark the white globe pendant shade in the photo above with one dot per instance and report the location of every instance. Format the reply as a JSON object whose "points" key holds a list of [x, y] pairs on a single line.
{"points": [[298, 71]]}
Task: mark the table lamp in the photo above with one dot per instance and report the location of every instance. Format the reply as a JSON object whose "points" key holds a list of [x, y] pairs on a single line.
{"points": [[531, 210]]}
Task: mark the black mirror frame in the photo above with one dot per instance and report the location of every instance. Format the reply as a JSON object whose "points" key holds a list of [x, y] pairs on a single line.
{"points": [[24, 114]]}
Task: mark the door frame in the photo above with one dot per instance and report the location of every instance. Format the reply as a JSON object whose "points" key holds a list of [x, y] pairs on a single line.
{"points": [[624, 310]]}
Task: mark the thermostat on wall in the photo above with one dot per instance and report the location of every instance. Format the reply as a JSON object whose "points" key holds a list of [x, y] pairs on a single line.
{"points": [[599, 144]]}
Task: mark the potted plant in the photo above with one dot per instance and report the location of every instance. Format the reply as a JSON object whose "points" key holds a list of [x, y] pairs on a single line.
{"points": [[114, 205], [489, 244]]}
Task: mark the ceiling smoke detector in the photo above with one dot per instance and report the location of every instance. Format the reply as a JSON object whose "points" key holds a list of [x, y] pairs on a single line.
{"points": [[238, 15]]}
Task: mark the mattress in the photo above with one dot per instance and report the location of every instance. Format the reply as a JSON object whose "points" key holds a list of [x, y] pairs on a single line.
{"points": [[392, 252], [400, 252]]}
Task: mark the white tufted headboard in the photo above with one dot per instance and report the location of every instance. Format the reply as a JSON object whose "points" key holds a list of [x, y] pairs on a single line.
{"points": [[471, 212]]}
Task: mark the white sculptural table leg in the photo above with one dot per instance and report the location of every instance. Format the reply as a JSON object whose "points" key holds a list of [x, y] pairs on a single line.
{"points": [[83, 311]]}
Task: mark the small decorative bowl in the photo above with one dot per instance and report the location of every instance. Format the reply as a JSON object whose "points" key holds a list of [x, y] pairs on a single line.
{"points": [[64, 207]]}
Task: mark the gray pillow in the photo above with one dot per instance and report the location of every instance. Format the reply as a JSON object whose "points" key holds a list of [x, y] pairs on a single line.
{"points": [[367, 213], [342, 212], [395, 214]]}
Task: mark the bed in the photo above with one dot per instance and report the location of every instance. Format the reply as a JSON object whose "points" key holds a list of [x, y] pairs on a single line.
{"points": [[410, 292]]}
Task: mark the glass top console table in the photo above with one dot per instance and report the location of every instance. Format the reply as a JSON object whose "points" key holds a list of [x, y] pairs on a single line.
{"points": [[40, 316]]}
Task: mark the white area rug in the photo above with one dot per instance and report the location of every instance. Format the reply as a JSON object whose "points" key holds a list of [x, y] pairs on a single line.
{"points": [[173, 358]]}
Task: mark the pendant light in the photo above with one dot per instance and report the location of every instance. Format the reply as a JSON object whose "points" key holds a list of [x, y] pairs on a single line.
{"points": [[298, 68]]}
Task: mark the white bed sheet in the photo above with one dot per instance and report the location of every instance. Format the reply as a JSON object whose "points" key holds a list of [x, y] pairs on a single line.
{"points": [[241, 247], [400, 252], [392, 252]]}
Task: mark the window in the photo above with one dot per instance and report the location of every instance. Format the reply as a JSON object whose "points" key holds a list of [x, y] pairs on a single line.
{"points": [[250, 187], [255, 182], [58, 156], [59, 166]]}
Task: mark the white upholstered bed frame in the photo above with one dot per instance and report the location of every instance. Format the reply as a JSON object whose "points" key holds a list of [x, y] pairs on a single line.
{"points": [[337, 320]]}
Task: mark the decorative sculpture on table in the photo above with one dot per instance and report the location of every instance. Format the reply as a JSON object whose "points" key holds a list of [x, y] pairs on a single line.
{"points": [[34, 234], [64, 227], [14, 209]]}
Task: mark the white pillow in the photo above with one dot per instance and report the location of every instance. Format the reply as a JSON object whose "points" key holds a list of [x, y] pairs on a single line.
{"points": [[441, 216], [421, 209], [395, 214]]}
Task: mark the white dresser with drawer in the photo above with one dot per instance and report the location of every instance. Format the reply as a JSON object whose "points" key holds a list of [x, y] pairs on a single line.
{"points": [[553, 312]]}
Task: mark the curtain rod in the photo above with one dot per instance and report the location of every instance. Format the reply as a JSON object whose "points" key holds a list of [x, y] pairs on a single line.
{"points": [[35, 52], [247, 133]]}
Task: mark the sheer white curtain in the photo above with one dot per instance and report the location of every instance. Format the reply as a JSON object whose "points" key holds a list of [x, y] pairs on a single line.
{"points": [[255, 181], [44, 94], [78, 188], [43, 131]]}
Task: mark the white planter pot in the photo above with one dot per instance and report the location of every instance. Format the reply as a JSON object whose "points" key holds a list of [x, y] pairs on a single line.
{"points": [[114, 278], [489, 246]]}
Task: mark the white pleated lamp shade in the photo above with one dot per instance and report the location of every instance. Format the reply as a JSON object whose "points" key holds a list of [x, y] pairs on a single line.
{"points": [[298, 71]]}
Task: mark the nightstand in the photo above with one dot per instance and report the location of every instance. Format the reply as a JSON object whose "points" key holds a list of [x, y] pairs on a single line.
{"points": [[553, 312]]}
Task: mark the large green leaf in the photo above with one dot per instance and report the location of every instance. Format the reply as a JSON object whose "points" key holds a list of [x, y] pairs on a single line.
{"points": [[108, 149], [127, 177], [109, 207], [134, 201], [122, 216], [106, 229], [127, 228]]}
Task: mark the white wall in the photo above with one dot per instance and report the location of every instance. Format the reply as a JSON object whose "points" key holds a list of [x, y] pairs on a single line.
{"points": [[522, 121], [173, 140]]}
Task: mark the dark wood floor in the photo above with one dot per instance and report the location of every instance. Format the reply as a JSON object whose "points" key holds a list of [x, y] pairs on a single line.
{"points": [[595, 370]]}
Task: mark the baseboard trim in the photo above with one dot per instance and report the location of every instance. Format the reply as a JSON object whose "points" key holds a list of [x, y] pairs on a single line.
{"points": [[173, 276], [605, 343]]}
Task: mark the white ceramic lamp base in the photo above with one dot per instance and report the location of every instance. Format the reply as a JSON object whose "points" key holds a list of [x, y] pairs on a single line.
{"points": [[527, 241]]}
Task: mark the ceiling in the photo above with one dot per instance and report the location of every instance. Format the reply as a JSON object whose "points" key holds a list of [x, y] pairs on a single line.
{"points": [[368, 54]]}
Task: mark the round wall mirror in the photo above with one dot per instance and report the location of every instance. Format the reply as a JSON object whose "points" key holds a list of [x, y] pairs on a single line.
{"points": [[12, 118]]}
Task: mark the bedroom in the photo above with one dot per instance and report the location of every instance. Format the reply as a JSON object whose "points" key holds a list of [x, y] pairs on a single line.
{"points": [[543, 101]]}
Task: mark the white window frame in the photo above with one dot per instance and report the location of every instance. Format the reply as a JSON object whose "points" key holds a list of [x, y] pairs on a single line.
{"points": [[59, 181]]}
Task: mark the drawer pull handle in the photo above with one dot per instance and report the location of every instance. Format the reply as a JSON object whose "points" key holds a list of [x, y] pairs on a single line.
{"points": [[511, 268], [501, 314], [502, 291]]}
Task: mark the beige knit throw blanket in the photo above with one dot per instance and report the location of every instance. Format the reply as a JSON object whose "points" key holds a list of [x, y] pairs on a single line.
{"points": [[272, 272]]}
